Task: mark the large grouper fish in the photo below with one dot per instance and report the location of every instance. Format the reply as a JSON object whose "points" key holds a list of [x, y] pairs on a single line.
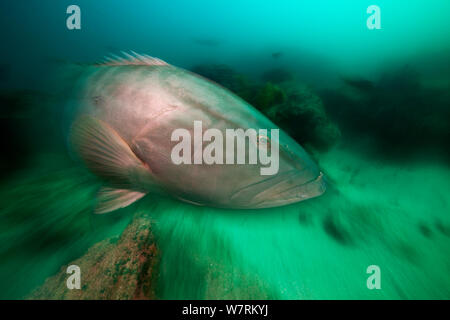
{"points": [[131, 105]]}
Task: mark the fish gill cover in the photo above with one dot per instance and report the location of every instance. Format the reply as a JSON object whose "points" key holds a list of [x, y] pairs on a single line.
{"points": [[369, 105]]}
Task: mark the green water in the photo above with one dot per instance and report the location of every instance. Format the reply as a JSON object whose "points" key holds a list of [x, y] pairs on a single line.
{"points": [[388, 200], [318, 249]]}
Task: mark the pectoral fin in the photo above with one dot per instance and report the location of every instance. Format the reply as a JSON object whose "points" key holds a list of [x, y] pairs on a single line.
{"points": [[110, 199], [107, 155]]}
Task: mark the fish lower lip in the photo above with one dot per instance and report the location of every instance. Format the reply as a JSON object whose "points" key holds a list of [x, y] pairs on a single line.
{"points": [[266, 192], [254, 186], [316, 187], [319, 177]]}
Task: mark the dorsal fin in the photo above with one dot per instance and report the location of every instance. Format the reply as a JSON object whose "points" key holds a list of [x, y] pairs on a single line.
{"points": [[132, 59]]}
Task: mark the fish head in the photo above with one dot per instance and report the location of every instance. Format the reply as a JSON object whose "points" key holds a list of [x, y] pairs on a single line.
{"points": [[298, 178]]}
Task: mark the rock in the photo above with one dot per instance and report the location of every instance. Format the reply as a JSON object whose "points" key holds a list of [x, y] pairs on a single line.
{"points": [[269, 95], [397, 115], [291, 105], [277, 75], [123, 268], [302, 115]]}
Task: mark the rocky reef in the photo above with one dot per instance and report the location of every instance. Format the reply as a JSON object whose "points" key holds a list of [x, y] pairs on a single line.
{"points": [[398, 115], [277, 75], [293, 106], [123, 268], [302, 115]]}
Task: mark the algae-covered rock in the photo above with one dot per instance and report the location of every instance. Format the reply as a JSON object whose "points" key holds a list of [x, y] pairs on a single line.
{"points": [[302, 115], [291, 105], [397, 115], [269, 95], [277, 75], [112, 269]]}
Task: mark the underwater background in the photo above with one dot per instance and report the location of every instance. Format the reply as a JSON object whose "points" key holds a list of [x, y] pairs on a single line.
{"points": [[371, 106]]}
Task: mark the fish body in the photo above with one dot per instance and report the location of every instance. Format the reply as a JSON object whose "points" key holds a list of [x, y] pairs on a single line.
{"points": [[123, 132]]}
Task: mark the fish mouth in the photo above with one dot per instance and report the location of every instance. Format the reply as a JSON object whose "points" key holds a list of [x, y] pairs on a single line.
{"points": [[307, 190], [289, 187]]}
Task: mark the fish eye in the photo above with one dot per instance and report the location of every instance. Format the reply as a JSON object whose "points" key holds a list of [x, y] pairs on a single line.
{"points": [[263, 140]]}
